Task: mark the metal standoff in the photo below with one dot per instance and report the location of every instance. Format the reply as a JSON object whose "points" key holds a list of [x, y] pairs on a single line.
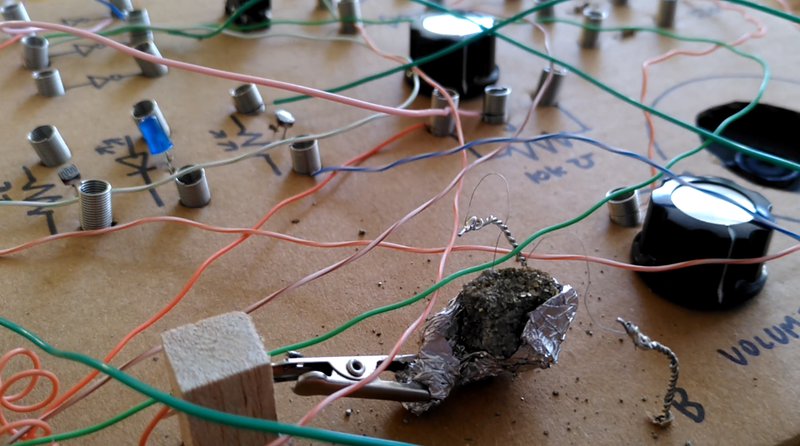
{"points": [[495, 104], [625, 210], [95, 200], [619, 2], [139, 17], [442, 125], [666, 13], [49, 145], [247, 99], [545, 13], [125, 6], [15, 11], [147, 108], [35, 52], [48, 83], [550, 94], [349, 15], [193, 188], [150, 69], [305, 156], [594, 18]]}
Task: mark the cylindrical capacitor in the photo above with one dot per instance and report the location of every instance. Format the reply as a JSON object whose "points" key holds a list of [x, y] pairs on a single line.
{"points": [[666, 13], [545, 13], [146, 108], [625, 209], [443, 125], [350, 16], [15, 11], [125, 6], [48, 83], [247, 99], [35, 52], [150, 69], [49, 145], [193, 188], [592, 17], [495, 104], [95, 200], [306, 158], [550, 94], [139, 17]]}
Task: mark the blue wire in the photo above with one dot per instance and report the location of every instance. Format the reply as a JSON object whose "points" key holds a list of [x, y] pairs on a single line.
{"points": [[114, 10], [761, 219]]}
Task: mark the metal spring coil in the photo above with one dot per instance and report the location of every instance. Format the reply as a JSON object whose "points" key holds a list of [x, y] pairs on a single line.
{"points": [[95, 199]]}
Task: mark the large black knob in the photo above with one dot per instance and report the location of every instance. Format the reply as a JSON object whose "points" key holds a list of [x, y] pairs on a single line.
{"points": [[683, 223], [467, 70]]}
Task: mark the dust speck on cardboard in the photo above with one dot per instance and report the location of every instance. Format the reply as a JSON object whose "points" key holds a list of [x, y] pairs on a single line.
{"points": [[494, 310]]}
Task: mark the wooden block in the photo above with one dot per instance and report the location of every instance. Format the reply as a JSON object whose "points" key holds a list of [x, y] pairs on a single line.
{"points": [[221, 363]]}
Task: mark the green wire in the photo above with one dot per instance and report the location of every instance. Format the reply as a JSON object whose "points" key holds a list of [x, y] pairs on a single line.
{"points": [[195, 410], [89, 430], [531, 239], [767, 9]]}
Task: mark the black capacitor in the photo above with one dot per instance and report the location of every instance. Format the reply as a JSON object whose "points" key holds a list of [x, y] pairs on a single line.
{"points": [[467, 70], [683, 224], [258, 14]]}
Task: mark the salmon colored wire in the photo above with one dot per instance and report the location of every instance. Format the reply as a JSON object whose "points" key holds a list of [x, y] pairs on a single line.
{"points": [[196, 276], [10, 42], [7, 401], [151, 426], [760, 31]]}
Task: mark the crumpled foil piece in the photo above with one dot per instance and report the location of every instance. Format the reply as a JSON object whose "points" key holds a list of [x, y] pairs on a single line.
{"points": [[440, 370]]}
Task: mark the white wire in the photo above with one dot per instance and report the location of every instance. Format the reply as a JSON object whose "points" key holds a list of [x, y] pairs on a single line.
{"points": [[225, 162]]}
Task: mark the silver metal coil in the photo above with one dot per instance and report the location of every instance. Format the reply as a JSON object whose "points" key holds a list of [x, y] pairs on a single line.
{"points": [[550, 95], [445, 124], [15, 11], [306, 158], [35, 52], [350, 16], [146, 108], [665, 18], [48, 83], [545, 13], [150, 69], [95, 200], [592, 17], [247, 99], [193, 188], [49, 145], [495, 104], [139, 17], [625, 210]]}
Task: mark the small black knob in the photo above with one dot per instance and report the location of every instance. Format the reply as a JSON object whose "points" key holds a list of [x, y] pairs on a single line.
{"points": [[467, 70], [683, 223]]}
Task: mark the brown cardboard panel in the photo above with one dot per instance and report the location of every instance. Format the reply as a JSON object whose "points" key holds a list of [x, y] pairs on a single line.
{"points": [[86, 294]]}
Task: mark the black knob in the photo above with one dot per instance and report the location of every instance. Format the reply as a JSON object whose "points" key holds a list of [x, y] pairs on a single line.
{"points": [[467, 70], [258, 14], [684, 223]]}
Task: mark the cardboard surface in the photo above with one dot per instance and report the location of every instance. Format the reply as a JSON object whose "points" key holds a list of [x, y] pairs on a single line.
{"points": [[86, 294]]}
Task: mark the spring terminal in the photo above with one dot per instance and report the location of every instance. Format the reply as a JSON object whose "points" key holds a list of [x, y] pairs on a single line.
{"points": [[592, 17], [443, 125], [305, 156], [139, 17], [666, 13], [35, 52], [95, 200], [48, 83], [193, 188], [350, 16], [495, 104], [15, 11], [150, 69], [49, 145], [247, 99], [550, 95], [625, 210], [545, 13]]}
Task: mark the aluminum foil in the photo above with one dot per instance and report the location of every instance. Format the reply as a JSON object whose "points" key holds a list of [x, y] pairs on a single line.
{"points": [[440, 370]]}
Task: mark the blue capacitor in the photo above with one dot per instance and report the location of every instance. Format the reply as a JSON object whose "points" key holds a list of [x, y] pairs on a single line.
{"points": [[155, 135]]}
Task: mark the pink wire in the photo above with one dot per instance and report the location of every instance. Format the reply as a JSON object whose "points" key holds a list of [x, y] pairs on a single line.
{"points": [[222, 74]]}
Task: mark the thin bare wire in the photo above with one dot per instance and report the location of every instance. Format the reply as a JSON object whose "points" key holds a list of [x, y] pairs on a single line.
{"points": [[643, 341], [508, 206], [476, 223]]}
